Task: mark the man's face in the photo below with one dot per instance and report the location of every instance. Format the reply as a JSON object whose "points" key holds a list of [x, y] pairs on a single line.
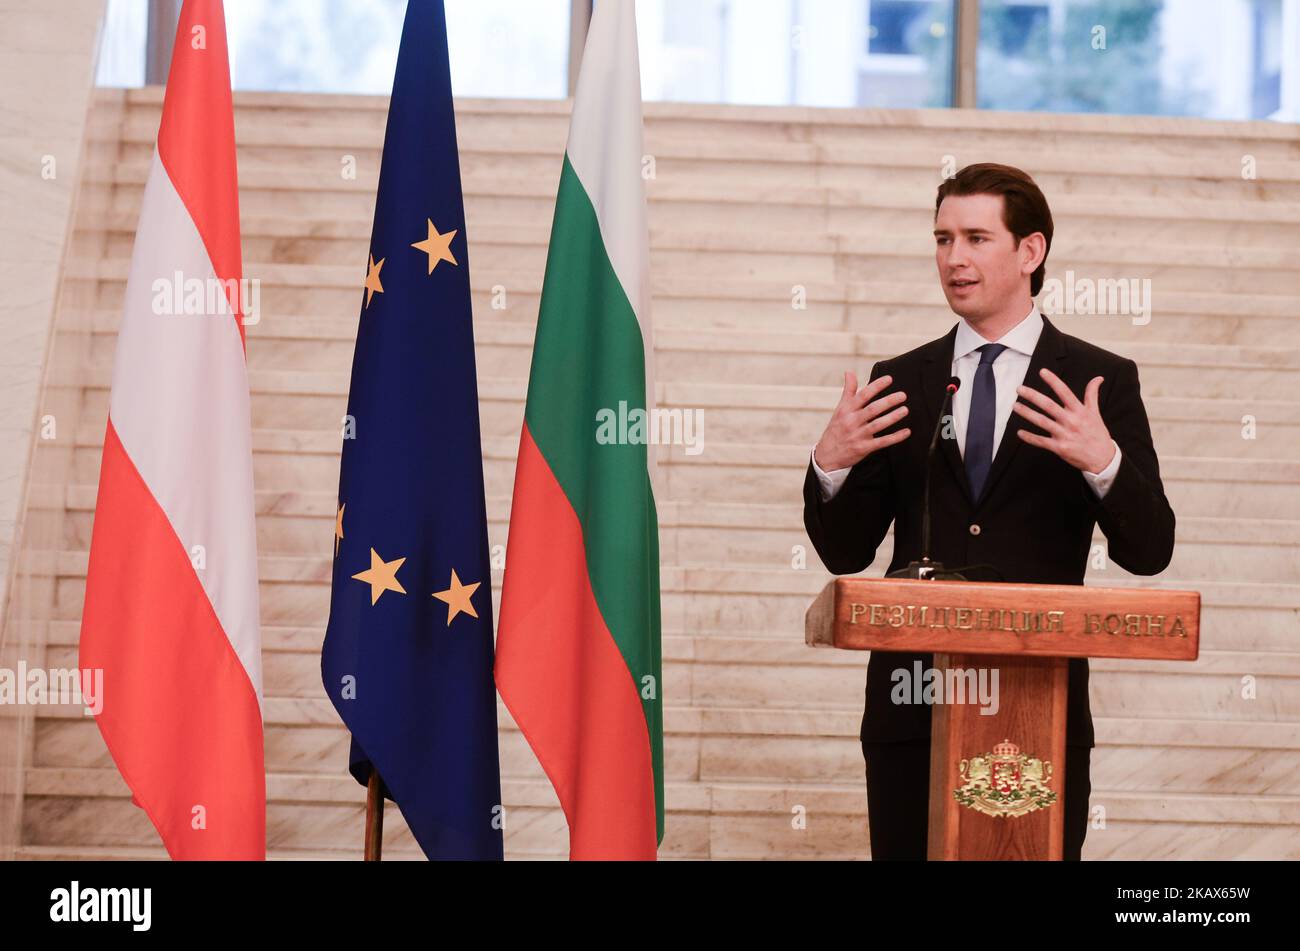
{"points": [[980, 267]]}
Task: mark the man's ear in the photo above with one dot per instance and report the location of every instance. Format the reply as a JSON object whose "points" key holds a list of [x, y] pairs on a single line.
{"points": [[1032, 250]]}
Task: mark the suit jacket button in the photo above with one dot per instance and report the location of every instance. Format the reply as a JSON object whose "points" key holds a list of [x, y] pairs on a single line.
{"points": [[975, 529]]}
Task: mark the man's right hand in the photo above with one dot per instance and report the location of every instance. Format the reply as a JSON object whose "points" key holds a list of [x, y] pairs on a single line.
{"points": [[851, 434]]}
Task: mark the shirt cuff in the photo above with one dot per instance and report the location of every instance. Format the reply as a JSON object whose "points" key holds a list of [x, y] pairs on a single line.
{"points": [[1101, 481], [830, 481]]}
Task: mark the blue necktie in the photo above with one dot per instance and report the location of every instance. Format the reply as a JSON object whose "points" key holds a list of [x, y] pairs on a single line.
{"points": [[979, 424]]}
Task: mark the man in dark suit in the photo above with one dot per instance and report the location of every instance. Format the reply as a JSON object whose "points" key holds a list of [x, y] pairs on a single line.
{"points": [[1019, 486]]}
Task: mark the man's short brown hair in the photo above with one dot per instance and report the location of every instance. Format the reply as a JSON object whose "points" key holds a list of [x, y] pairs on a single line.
{"points": [[1024, 209]]}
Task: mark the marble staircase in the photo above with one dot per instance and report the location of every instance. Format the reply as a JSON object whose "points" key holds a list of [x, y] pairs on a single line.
{"points": [[750, 210]]}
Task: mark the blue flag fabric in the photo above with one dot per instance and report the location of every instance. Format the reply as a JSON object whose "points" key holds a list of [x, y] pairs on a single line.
{"points": [[407, 659]]}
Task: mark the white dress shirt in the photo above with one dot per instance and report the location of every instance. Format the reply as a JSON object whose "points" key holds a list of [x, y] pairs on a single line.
{"points": [[1009, 371]]}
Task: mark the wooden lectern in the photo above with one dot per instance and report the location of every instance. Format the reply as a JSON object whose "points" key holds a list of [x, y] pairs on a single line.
{"points": [[997, 783]]}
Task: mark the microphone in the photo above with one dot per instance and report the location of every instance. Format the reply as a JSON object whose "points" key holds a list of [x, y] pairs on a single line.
{"points": [[925, 568]]}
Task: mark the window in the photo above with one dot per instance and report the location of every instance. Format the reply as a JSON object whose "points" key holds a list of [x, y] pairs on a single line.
{"points": [[503, 48], [1217, 59], [894, 26], [797, 52]]}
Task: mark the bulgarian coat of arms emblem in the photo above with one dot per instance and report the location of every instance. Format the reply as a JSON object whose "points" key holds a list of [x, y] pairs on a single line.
{"points": [[1005, 783]]}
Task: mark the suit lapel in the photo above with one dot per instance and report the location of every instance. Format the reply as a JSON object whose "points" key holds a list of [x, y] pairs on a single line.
{"points": [[1048, 352]]}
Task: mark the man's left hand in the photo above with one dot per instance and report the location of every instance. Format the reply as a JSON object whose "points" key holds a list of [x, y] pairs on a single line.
{"points": [[1075, 430]]}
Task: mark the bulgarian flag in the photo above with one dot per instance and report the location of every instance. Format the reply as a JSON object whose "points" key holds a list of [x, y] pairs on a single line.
{"points": [[171, 609], [578, 649]]}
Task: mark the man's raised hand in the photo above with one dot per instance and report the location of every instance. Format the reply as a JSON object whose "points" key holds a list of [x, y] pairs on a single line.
{"points": [[851, 434], [1075, 431]]}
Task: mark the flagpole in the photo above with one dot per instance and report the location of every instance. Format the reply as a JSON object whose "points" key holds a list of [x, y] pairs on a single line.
{"points": [[374, 816], [579, 24]]}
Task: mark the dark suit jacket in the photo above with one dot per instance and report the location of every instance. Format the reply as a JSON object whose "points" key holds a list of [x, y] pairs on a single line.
{"points": [[1036, 515]]}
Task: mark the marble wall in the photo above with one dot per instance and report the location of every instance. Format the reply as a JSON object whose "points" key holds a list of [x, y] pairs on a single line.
{"points": [[47, 68]]}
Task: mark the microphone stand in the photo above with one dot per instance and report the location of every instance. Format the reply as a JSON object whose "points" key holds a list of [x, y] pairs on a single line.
{"points": [[927, 569]]}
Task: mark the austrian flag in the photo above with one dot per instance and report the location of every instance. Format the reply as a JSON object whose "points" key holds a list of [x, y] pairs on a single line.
{"points": [[171, 609]]}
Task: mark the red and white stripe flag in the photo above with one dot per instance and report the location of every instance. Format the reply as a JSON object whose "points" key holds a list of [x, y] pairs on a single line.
{"points": [[171, 613]]}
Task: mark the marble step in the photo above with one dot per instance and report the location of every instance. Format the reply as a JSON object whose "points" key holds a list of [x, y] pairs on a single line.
{"points": [[1212, 191], [725, 413], [330, 298], [1195, 485], [933, 130], [753, 473], [286, 465], [1227, 393], [84, 853], [763, 535], [1258, 550], [317, 238], [762, 744], [770, 256], [736, 602], [1210, 549], [322, 749], [1207, 317], [779, 652], [730, 675], [793, 745], [728, 473], [92, 807], [767, 163], [684, 354], [504, 349], [756, 582], [731, 474], [1132, 169], [874, 208]]}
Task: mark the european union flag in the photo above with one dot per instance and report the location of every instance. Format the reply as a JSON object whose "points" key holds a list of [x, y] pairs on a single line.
{"points": [[407, 659]]}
